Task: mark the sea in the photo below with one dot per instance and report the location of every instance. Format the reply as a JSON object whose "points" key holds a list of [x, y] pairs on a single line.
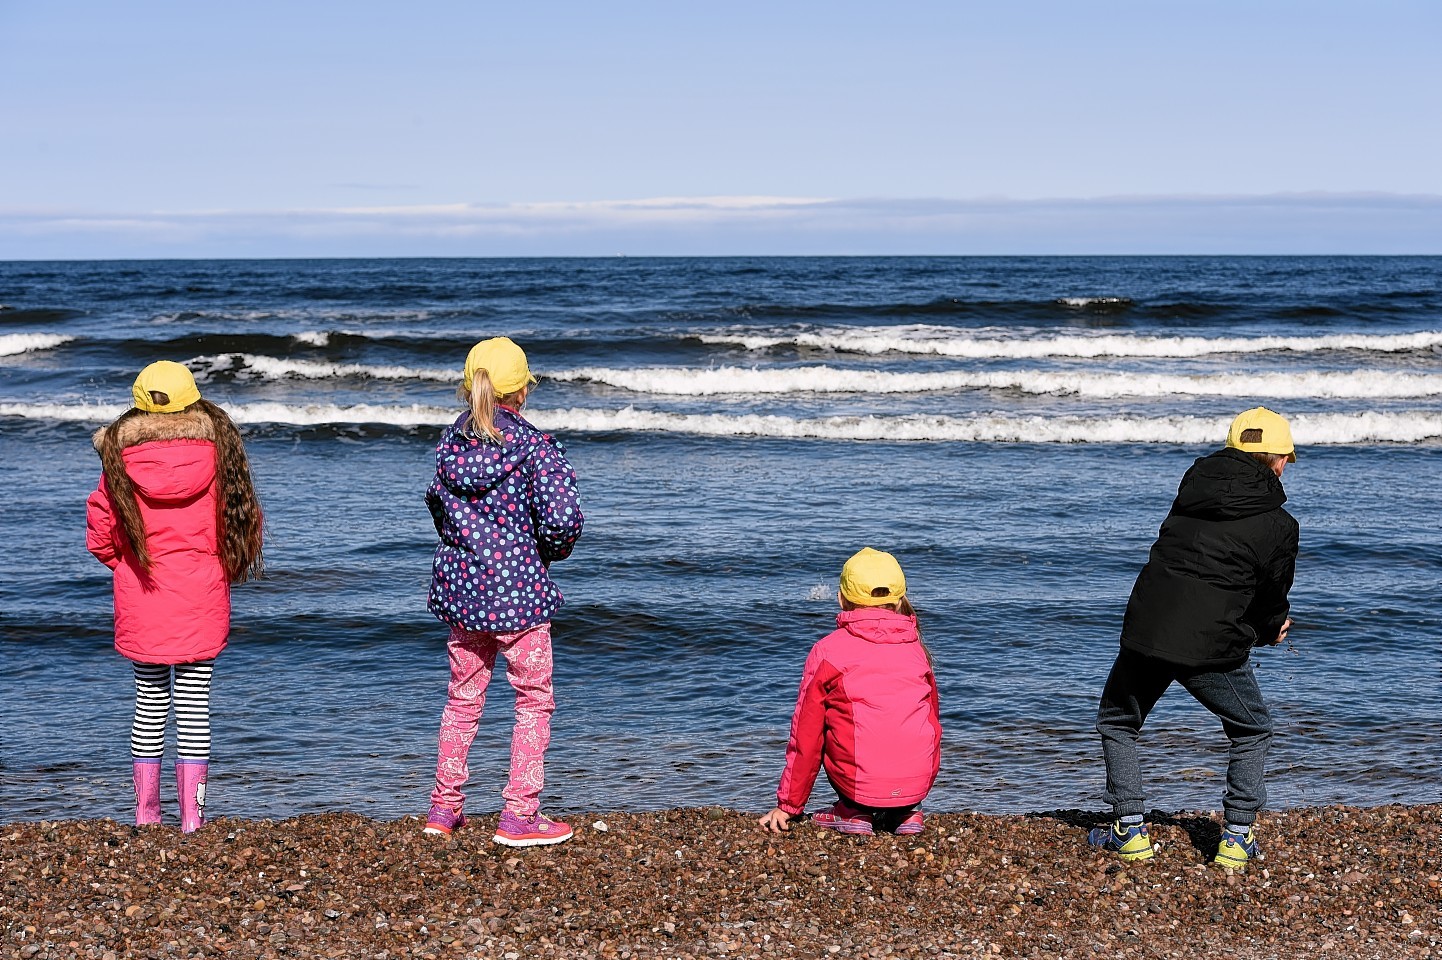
{"points": [[1012, 429]]}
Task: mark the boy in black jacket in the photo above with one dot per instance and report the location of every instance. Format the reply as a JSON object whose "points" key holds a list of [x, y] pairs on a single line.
{"points": [[1214, 586]]}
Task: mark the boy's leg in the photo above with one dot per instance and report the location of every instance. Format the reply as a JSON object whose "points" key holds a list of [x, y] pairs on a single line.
{"points": [[528, 667], [1233, 695], [472, 654], [1133, 688]]}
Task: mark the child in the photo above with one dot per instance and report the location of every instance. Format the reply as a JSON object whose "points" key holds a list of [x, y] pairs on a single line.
{"points": [[176, 518], [1214, 587], [867, 710], [505, 506]]}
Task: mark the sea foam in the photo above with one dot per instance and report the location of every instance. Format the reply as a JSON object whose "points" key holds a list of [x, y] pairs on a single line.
{"points": [[15, 343], [694, 382], [250, 365], [981, 344], [1319, 429]]}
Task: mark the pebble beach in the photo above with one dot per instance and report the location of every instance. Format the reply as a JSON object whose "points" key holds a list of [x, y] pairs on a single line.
{"points": [[704, 882]]}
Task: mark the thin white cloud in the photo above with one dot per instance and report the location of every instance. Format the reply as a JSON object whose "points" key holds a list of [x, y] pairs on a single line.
{"points": [[1275, 223]]}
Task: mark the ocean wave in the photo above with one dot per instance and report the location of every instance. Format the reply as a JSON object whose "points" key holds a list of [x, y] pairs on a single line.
{"points": [[309, 414], [693, 382], [949, 342], [1114, 302], [15, 343], [1316, 429], [1322, 429], [255, 366]]}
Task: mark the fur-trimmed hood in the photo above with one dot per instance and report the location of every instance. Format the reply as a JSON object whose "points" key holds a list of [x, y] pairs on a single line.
{"points": [[143, 428]]}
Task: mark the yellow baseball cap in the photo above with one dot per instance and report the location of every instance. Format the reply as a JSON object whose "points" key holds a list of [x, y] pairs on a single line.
{"points": [[1260, 430], [868, 572], [504, 363], [169, 378]]}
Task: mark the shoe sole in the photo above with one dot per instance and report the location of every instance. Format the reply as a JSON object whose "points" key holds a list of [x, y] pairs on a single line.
{"points": [[530, 841], [848, 829], [908, 831], [436, 831]]}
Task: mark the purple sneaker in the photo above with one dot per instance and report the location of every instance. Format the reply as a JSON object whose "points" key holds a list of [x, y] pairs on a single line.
{"points": [[912, 824], [537, 830], [441, 821], [844, 818]]}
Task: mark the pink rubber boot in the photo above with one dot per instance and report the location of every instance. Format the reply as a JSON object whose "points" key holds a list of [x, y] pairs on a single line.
{"points": [[190, 781], [147, 792]]}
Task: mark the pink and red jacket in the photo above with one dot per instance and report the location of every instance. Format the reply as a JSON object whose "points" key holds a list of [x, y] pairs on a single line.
{"points": [[178, 611], [868, 712]]}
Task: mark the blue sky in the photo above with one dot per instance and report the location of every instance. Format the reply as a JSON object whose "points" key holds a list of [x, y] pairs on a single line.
{"points": [[336, 129]]}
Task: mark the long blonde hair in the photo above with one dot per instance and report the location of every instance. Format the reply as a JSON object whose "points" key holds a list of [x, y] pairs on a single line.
{"points": [[483, 402]]}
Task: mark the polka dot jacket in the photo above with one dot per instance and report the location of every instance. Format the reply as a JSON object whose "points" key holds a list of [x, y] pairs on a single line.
{"points": [[504, 513]]}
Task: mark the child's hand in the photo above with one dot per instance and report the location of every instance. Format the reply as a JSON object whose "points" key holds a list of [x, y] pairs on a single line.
{"points": [[777, 821]]}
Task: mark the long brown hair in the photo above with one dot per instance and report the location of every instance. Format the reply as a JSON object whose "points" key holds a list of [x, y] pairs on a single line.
{"points": [[239, 522]]}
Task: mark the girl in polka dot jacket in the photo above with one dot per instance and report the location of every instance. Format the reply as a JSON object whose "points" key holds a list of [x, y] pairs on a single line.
{"points": [[505, 505]]}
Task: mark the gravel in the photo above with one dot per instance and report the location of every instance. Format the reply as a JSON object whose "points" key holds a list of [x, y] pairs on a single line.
{"points": [[1349, 882]]}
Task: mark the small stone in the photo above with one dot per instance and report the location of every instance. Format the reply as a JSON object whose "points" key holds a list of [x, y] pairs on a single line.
{"points": [[600, 826]]}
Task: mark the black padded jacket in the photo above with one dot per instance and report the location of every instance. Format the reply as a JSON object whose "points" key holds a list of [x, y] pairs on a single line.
{"points": [[1216, 582]]}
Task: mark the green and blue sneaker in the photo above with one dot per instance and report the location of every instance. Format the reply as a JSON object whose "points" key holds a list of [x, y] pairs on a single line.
{"points": [[1131, 842], [1236, 850]]}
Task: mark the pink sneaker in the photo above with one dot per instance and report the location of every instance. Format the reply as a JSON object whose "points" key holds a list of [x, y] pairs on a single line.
{"points": [[912, 824], [537, 830], [843, 817], [441, 821]]}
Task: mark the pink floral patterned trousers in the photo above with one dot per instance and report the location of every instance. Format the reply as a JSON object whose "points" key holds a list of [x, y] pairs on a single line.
{"points": [[528, 667]]}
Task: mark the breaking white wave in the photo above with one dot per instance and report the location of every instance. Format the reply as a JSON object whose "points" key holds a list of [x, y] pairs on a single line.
{"points": [[1319, 429], [981, 344], [412, 415], [1094, 301], [694, 382], [14, 343], [256, 366], [315, 338], [1315, 429]]}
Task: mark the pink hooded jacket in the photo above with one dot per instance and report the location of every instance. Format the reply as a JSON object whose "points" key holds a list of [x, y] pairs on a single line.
{"points": [[868, 711], [178, 611]]}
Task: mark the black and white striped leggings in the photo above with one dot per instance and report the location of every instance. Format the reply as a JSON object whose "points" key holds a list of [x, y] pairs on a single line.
{"points": [[152, 707]]}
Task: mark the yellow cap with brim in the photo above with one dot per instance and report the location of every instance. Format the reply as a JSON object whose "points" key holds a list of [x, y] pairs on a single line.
{"points": [[870, 573], [169, 378], [504, 363], [1260, 430]]}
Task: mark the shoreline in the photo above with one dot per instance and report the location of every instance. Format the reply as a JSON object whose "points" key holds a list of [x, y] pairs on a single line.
{"points": [[702, 882]]}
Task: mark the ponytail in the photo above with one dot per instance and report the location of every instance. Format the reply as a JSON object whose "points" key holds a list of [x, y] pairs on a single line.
{"points": [[482, 400]]}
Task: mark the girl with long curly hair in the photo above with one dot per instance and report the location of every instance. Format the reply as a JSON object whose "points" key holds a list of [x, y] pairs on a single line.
{"points": [[175, 516]]}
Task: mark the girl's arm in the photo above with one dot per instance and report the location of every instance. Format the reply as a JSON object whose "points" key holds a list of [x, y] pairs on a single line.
{"points": [[555, 504], [100, 537], [803, 749]]}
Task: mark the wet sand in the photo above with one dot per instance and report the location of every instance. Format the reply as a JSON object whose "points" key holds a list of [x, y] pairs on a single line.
{"points": [[1337, 881]]}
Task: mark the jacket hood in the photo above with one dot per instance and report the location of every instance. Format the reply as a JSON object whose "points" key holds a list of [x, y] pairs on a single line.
{"points": [[168, 456], [475, 468], [1228, 485], [878, 625], [186, 425]]}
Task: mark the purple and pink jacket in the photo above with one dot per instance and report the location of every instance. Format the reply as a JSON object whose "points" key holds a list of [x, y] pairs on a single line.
{"points": [[504, 513], [868, 711], [179, 610]]}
